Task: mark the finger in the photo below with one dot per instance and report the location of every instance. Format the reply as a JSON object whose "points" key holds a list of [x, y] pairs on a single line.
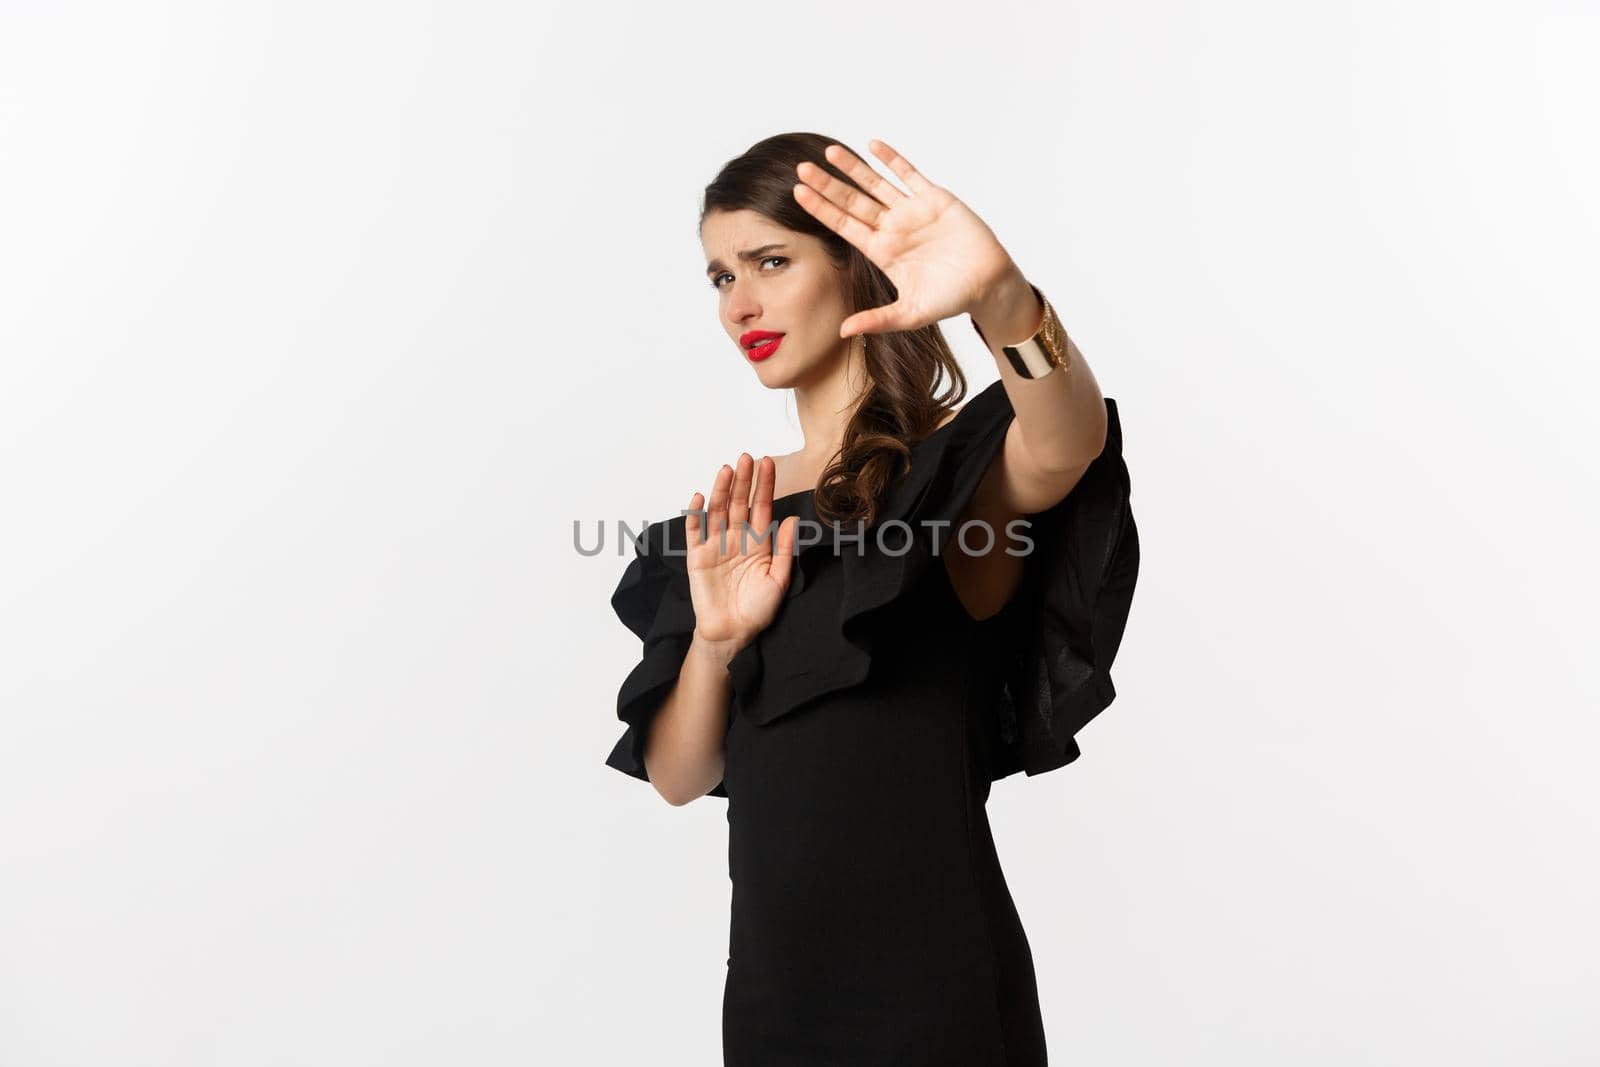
{"points": [[861, 172], [782, 564], [692, 525], [841, 193], [717, 512], [830, 215], [761, 508], [901, 166], [883, 319], [739, 497]]}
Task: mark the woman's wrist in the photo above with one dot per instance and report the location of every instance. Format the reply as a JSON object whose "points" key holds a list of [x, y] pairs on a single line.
{"points": [[1010, 313], [717, 653]]}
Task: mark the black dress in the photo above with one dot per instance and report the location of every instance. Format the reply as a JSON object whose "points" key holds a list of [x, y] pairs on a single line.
{"points": [[871, 923]]}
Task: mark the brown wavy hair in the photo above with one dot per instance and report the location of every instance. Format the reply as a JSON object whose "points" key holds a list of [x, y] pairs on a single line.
{"points": [[900, 406]]}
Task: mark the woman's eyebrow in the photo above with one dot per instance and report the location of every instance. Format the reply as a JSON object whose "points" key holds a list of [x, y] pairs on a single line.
{"points": [[755, 253]]}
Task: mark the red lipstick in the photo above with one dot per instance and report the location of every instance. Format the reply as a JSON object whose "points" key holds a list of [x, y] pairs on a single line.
{"points": [[759, 344]]}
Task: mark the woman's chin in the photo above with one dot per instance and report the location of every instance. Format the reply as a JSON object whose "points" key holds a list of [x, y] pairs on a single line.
{"points": [[773, 375]]}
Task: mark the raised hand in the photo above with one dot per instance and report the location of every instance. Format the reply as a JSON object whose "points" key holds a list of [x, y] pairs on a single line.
{"points": [[942, 258], [737, 577]]}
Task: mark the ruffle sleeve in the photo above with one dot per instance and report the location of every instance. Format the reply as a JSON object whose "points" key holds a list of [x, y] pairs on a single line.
{"points": [[652, 599], [1059, 633], [1055, 639]]}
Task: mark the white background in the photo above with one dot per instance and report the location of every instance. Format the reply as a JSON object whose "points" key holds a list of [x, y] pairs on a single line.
{"points": [[321, 324]]}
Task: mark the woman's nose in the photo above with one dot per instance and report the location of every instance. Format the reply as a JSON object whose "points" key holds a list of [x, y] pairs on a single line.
{"points": [[742, 309]]}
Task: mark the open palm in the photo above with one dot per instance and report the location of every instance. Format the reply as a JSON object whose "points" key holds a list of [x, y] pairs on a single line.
{"points": [[942, 258], [737, 577]]}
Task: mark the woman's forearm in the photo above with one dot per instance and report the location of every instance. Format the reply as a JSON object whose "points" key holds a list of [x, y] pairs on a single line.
{"points": [[1061, 417], [684, 751]]}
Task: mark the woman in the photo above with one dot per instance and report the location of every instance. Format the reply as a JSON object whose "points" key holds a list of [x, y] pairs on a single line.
{"points": [[853, 695]]}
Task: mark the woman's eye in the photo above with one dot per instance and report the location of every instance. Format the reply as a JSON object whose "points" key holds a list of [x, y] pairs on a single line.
{"points": [[716, 283]]}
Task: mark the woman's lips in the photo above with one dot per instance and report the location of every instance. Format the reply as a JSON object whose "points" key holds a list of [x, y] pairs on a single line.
{"points": [[762, 349]]}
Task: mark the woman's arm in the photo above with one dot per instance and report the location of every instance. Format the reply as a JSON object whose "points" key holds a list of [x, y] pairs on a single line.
{"points": [[684, 754], [737, 584], [1058, 430], [1060, 424], [943, 261]]}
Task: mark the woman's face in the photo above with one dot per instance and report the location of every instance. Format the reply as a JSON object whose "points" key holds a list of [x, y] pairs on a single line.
{"points": [[787, 285]]}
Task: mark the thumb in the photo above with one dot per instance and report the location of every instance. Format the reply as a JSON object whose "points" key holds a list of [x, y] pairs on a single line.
{"points": [[873, 320]]}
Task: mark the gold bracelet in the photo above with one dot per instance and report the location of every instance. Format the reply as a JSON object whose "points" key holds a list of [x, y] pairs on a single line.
{"points": [[1042, 353]]}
